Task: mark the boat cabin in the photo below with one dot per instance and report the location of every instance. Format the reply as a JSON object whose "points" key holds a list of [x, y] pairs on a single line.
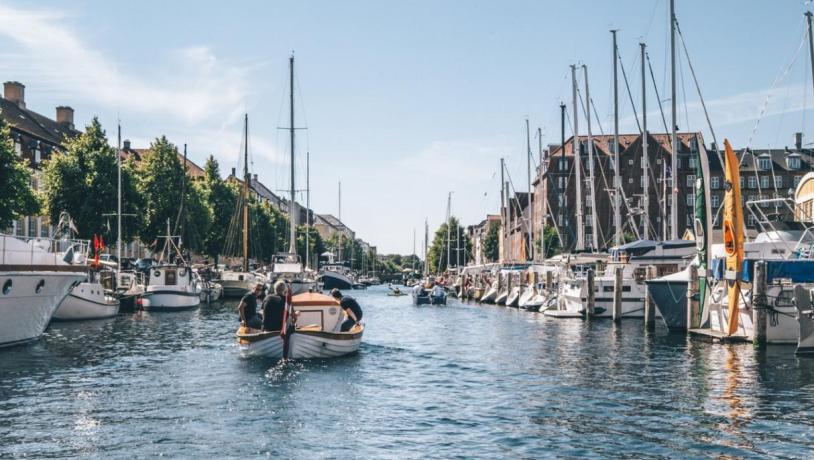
{"points": [[170, 275], [317, 312]]}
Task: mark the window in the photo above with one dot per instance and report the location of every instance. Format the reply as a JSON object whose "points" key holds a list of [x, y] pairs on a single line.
{"points": [[778, 181], [764, 181], [18, 147], [32, 227], [694, 145], [562, 182], [631, 162], [630, 180], [670, 200], [689, 220], [764, 163], [690, 180], [752, 182], [793, 161], [37, 155], [751, 220], [642, 181], [715, 182], [560, 200], [715, 202], [559, 220], [678, 163], [796, 181], [743, 181], [692, 162], [563, 164], [690, 199]]}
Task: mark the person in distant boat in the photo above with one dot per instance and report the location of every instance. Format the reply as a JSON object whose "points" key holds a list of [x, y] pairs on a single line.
{"points": [[351, 308], [274, 308], [437, 292], [248, 308]]}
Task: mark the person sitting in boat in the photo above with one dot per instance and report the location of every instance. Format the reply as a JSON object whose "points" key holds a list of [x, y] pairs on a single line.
{"points": [[396, 291], [351, 308], [437, 292], [248, 308], [418, 289], [274, 308]]}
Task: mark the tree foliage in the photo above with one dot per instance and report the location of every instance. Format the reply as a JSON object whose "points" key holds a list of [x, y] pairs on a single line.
{"points": [[491, 242], [220, 197], [17, 199], [83, 181], [552, 242], [440, 246]]}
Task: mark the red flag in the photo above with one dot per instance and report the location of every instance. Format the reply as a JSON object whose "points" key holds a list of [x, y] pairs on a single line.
{"points": [[96, 249]]}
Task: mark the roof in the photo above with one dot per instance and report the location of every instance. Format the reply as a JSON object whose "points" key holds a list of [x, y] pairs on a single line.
{"points": [[34, 124], [750, 159], [602, 143], [193, 169], [329, 219], [312, 299]]}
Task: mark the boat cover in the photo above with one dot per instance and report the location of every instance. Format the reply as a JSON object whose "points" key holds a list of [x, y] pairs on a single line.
{"points": [[798, 271]]}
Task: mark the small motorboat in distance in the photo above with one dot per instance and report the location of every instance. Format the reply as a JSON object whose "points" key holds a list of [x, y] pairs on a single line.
{"points": [[315, 334]]}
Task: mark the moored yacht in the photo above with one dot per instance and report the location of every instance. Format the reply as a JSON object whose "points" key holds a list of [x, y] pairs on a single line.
{"points": [[33, 282], [336, 276], [94, 298]]}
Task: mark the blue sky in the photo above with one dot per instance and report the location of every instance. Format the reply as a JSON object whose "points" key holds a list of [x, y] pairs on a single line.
{"points": [[404, 101]]}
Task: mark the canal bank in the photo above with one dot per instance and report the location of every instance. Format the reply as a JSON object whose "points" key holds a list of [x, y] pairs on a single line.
{"points": [[462, 380]]}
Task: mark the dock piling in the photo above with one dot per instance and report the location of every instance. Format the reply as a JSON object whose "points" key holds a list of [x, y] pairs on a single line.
{"points": [[617, 294], [649, 306], [589, 308], [693, 318], [759, 316]]}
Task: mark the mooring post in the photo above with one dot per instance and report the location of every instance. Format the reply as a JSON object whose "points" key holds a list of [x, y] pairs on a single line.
{"points": [[759, 315], [693, 305], [649, 306], [617, 294], [589, 308]]}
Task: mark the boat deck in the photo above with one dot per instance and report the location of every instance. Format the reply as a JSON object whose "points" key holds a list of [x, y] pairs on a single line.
{"points": [[718, 336]]}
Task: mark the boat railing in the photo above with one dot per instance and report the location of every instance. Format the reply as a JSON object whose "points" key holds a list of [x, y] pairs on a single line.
{"points": [[38, 250], [802, 245]]}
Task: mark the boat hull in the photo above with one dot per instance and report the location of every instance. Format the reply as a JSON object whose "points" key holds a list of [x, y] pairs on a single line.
{"points": [[332, 280], [670, 298], [77, 307], [302, 344], [236, 288], [170, 300], [25, 312]]}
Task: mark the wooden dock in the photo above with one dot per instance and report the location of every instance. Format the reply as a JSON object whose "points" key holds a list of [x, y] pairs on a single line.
{"points": [[718, 336]]}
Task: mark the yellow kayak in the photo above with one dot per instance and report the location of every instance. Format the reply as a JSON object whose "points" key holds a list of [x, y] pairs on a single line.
{"points": [[733, 235]]}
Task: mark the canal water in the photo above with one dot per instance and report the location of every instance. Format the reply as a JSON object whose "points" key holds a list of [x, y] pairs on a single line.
{"points": [[458, 381]]}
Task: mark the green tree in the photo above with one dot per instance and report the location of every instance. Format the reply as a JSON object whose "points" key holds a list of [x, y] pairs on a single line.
{"points": [[83, 181], [159, 180], [221, 198], [17, 198], [437, 255], [552, 242], [315, 247], [491, 242]]}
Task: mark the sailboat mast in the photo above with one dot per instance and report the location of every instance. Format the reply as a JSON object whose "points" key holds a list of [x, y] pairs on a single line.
{"points": [[530, 253], [449, 227], [673, 139], [617, 186], [307, 209], [645, 159], [292, 212], [561, 178], [246, 193], [503, 216], [577, 162], [591, 182], [340, 220], [543, 198], [810, 43], [119, 200], [426, 238]]}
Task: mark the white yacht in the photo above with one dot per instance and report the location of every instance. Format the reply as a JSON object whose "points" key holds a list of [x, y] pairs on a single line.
{"points": [[287, 267], [634, 258], [33, 282], [336, 276]]}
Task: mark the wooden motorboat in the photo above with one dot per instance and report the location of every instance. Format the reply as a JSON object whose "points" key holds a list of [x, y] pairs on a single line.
{"points": [[315, 335]]}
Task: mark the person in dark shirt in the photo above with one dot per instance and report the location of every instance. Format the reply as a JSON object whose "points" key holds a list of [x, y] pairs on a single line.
{"points": [[248, 308], [274, 307], [351, 308]]}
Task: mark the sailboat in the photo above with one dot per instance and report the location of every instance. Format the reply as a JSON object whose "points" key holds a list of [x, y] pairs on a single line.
{"points": [[288, 266], [335, 274], [238, 281]]}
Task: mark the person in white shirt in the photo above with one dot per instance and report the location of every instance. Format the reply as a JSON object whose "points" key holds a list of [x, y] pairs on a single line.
{"points": [[437, 293]]}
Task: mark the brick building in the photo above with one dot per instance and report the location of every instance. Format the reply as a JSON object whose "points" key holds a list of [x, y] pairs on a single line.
{"points": [[36, 137]]}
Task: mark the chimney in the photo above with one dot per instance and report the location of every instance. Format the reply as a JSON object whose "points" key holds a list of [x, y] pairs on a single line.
{"points": [[65, 116], [254, 178], [233, 172], [798, 141], [14, 91], [127, 144]]}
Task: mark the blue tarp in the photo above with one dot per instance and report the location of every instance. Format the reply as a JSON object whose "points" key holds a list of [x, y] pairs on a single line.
{"points": [[798, 271]]}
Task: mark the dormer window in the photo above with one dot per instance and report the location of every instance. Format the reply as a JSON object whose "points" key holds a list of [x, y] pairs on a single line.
{"points": [[793, 161], [764, 162]]}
